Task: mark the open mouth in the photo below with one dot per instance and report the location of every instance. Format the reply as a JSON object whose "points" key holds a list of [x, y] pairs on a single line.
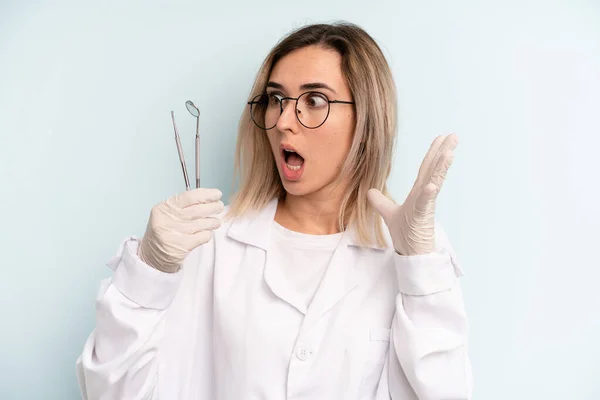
{"points": [[292, 163], [293, 160]]}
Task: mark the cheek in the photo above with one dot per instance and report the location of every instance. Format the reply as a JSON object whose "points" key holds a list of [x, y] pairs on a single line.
{"points": [[332, 151], [340, 140], [338, 148]]}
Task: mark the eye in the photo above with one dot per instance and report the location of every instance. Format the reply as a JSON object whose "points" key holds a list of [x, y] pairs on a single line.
{"points": [[315, 100], [274, 99]]}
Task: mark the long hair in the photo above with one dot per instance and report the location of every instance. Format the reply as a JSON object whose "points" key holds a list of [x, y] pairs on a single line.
{"points": [[369, 160]]}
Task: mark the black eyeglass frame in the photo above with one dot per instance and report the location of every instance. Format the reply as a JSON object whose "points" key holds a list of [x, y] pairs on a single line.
{"points": [[329, 103]]}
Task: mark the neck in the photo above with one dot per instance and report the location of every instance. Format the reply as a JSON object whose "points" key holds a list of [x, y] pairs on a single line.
{"points": [[312, 214]]}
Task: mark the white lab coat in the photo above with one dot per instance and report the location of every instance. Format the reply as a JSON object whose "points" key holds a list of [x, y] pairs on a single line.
{"points": [[381, 325]]}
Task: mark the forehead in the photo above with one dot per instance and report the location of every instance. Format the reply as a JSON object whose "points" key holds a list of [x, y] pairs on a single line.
{"points": [[310, 64]]}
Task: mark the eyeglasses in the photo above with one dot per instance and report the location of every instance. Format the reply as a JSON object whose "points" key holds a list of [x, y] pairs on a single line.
{"points": [[312, 109]]}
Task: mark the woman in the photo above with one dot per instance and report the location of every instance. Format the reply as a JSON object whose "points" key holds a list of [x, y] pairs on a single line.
{"points": [[302, 292]]}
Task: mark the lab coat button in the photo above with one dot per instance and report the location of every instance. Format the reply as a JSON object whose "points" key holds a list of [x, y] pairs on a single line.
{"points": [[303, 354]]}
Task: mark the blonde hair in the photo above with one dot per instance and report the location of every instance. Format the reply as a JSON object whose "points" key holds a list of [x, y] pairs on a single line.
{"points": [[369, 160]]}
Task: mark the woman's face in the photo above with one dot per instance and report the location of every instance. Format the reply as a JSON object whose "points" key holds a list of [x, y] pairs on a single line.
{"points": [[309, 160]]}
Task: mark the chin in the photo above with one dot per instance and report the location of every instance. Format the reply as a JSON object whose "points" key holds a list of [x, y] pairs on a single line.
{"points": [[304, 187], [296, 188]]}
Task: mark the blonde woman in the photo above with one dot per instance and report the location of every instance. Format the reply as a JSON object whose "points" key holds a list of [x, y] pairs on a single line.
{"points": [[312, 284]]}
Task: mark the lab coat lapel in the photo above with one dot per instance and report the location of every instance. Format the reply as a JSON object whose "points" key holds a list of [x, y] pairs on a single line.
{"points": [[255, 230], [279, 285], [339, 280]]}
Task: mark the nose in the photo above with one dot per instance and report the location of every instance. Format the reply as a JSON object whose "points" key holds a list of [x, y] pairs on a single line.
{"points": [[287, 120]]}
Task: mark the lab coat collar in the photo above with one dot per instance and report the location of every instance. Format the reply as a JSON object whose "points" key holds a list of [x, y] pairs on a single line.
{"points": [[245, 229], [340, 278]]}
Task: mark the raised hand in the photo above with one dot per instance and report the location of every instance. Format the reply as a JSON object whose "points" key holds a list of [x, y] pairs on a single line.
{"points": [[412, 224]]}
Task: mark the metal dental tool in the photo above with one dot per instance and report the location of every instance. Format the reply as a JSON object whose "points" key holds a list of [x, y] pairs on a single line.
{"points": [[196, 113], [181, 156], [191, 107]]}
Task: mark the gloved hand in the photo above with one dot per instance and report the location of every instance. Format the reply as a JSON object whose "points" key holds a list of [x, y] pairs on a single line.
{"points": [[412, 224], [179, 225]]}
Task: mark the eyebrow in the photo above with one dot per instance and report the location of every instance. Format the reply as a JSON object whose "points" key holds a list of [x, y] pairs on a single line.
{"points": [[306, 86]]}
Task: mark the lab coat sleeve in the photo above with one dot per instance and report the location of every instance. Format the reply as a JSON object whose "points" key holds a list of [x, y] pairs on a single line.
{"points": [[119, 358], [428, 357]]}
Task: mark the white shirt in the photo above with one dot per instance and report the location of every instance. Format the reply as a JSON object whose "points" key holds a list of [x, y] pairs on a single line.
{"points": [[303, 260], [226, 327]]}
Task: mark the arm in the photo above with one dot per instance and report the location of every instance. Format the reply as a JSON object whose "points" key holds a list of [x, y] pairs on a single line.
{"points": [[428, 348], [119, 359], [428, 352]]}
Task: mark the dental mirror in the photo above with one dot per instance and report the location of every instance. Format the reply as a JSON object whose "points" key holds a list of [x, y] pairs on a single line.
{"points": [[192, 108]]}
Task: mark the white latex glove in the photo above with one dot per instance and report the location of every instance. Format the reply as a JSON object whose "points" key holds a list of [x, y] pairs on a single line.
{"points": [[179, 225], [412, 224]]}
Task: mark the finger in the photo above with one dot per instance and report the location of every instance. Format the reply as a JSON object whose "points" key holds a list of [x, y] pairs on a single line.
{"points": [[441, 169], [449, 144], [382, 204], [197, 239], [197, 211], [196, 196], [201, 224], [425, 203], [431, 153]]}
